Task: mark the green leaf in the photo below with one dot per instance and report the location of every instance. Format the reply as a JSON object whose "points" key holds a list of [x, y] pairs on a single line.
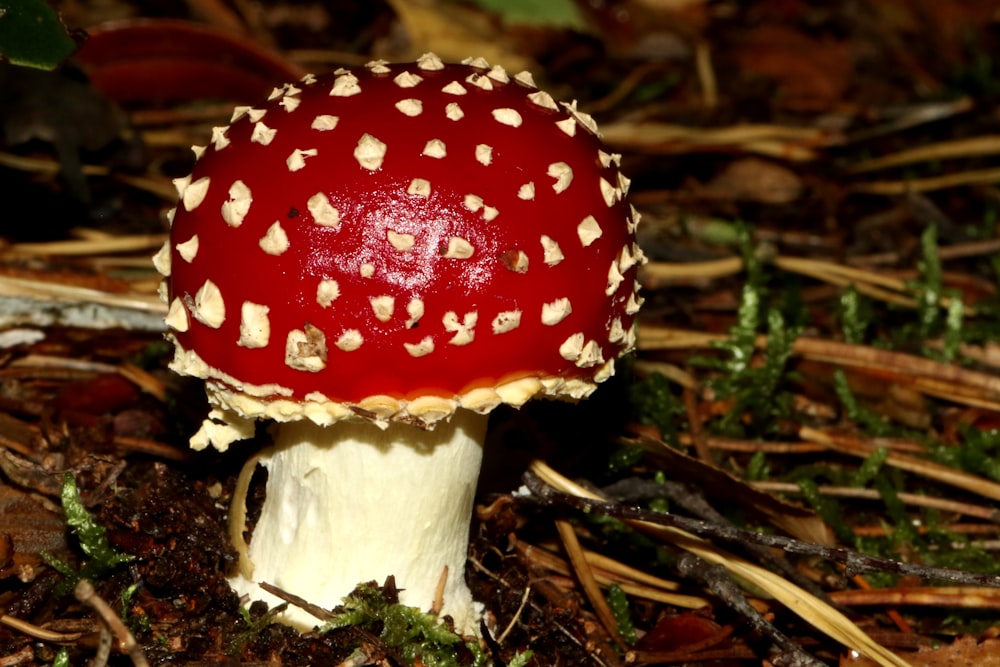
{"points": [[549, 13], [31, 34]]}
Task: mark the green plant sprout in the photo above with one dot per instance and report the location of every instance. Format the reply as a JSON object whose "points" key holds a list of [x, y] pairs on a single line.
{"points": [[103, 558], [618, 602]]}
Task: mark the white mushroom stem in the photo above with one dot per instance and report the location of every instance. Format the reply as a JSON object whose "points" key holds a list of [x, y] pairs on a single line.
{"points": [[351, 503]]}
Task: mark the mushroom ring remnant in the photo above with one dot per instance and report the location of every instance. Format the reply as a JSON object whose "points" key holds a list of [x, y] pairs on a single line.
{"points": [[380, 252]]}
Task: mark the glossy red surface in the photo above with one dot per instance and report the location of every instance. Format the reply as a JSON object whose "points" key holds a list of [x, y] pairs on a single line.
{"points": [[373, 202]]}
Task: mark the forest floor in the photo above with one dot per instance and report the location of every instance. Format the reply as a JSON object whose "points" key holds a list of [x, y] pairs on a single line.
{"points": [[799, 465]]}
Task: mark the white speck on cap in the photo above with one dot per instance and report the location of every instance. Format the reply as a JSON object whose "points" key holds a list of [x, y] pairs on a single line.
{"points": [[262, 134], [615, 279], [585, 120], [235, 209], [588, 230], [563, 175], [345, 85], [478, 62], [420, 187], [543, 99], [407, 80], [507, 320], [305, 349], [553, 254], [526, 192], [473, 202], [454, 88], [479, 81], [239, 111], [610, 193], [327, 291], [624, 183], [209, 308], [454, 112], [192, 193], [255, 114], [429, 62], [555, 312], [568, 126], [350, 340], [322, 211], [463, 329], [255, 326], [383, 306], [484, 154], [498, 74], [458, 248], [411, 107], [515, 260], [189, 249], [572, 347], [369, 152], [297, 159], [616, 334], [590, 355], [219, 138], [378, 66], [401, 242], [177, 316], [324, 122], [161, 260], [435, 148], [525, 78], [634, 303], [290, 103], [415, 309], [421, 349], [275, 241], [508, 116]]}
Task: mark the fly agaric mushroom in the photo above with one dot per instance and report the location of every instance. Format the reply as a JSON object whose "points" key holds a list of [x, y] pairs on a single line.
{"points": [[374, 260]]}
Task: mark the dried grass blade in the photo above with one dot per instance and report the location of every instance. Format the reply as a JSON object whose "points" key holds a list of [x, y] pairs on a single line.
{"points": [[942, 150], [928, 469], [51, 291], [817, 613]]}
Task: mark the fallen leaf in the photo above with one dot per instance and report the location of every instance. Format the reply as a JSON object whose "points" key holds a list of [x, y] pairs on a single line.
{"points": [[756, 180], [454, 33], [27, 528], [809, 73], [963, 652]]}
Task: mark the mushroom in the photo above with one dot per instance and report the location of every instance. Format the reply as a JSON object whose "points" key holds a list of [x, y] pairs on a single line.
{"points": [[372, 261]]}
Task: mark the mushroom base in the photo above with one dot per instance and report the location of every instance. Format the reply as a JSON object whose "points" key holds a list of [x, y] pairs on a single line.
{"points": [[352, 502]]}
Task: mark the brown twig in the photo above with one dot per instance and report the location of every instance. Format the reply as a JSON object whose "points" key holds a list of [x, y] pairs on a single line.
{"points": [[85, 593]]}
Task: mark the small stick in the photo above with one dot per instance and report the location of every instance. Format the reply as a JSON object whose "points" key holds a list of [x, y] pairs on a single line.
{"points": [[438, 604], [517, 615], [37, 632], [85, 593]]}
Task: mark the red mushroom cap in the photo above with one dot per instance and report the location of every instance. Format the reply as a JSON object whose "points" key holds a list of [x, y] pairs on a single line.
{"points": [[400, 240]]}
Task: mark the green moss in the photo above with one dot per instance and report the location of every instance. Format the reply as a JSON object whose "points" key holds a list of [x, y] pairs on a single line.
{"points": [[618, 602]]}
